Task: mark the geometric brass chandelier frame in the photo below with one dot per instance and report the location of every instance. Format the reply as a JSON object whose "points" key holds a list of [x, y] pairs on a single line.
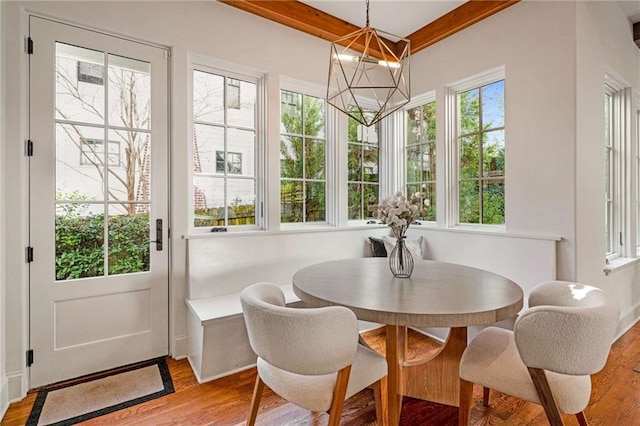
{"points": [[372, 82]]}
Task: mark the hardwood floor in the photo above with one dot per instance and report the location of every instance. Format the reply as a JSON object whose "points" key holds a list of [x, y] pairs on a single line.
{"points": [[615, 399]]}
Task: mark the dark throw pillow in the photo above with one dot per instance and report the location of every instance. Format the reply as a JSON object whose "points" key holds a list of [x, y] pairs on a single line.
{"points": [[377, 247]]}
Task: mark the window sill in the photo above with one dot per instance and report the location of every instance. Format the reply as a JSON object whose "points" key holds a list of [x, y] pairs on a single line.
{"points": [[619, 263]]}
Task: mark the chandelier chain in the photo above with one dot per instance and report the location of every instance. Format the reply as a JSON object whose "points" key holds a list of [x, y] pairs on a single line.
{"points": [[367, 13]]}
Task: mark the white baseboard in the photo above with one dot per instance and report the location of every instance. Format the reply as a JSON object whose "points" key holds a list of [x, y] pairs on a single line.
{"points": [[17, 386], [628, 320], [180, 347], [4, 395]]}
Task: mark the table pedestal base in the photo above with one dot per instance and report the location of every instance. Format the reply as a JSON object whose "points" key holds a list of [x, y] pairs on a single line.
{"points": [[434, 378]]}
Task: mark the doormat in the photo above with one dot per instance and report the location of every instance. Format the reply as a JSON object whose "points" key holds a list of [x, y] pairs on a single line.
{"points": [[98, 394]]}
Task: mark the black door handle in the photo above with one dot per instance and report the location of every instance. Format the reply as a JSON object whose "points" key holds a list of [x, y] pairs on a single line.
{"points": [[158, 240]]}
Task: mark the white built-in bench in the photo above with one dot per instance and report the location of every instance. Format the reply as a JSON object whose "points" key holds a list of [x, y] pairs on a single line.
{"points": [[210, 321], [220, 266]]}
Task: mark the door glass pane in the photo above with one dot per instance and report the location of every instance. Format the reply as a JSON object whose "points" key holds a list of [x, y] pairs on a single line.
{"points": [[129, 93], [79, 162], [128, 231], [79, 84], [128, 167], [79, 239]]}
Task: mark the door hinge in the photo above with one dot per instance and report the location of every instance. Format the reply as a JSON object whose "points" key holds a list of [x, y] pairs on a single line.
{"points": [[29, 357], [29, 46], [29, 148], [29, 254]]}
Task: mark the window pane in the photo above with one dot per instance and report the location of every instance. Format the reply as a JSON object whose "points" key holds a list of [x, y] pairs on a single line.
{"points": [[207, 141], [242, 207], [79, 84], [429, 190], [314, 159], [208, 194], [313, 116], [208, 97], [79, 240], [414, 164], [241, 103], [429, 120], [469, 202], [128, 238], [354, 162], [315, 201], [291, 157], [355, 201], [129, 93], [469, 157], [493, 105], [242, 143], [370, 164], [369, 192], [290, 112], [493, 153], [493, 202], [291, 201], [414, 125], [469, 112], [428, 162]]}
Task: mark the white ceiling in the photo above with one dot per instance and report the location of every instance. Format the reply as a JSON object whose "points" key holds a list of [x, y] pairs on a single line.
{"points": [[399, 17], [403, 17]]}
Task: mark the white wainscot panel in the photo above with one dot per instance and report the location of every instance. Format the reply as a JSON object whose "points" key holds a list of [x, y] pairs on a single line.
{"points": [[134, 317]]}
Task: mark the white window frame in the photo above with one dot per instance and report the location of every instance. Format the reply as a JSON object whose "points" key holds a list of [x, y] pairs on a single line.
{"points": [[451, 154], [618, 226], [239, 72], [417, 101], [331, 134], [637, 174]]}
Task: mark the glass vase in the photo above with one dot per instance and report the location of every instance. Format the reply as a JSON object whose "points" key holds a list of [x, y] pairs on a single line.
{"points": [[400, 260]]}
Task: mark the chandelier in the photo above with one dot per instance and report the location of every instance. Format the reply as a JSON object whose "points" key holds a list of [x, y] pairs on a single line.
{"points": [[369, 74]]}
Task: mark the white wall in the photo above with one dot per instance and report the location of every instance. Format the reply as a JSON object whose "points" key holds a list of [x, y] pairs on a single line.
{"points": [[605, 44], [4, 391], [535, 41]]}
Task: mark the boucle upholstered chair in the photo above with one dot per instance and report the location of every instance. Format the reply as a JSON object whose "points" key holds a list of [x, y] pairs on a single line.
{"points": [[557, 343], [310, 357]]}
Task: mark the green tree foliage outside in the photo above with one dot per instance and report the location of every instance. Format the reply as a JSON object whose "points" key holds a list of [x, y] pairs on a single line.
{"points": [[421, 154], [362, 172], [302, 159], [481, 145], [80, 245]]}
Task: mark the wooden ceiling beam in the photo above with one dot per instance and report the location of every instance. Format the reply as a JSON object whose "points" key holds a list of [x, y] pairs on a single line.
{"points": [[310, 20], [458, 19]]}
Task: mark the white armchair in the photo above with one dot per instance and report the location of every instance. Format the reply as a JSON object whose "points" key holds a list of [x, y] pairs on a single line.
{"points": [[557, 343], [310, 357]]}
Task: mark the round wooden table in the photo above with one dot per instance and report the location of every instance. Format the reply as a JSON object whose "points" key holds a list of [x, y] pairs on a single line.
{"points": [[438, 294]]}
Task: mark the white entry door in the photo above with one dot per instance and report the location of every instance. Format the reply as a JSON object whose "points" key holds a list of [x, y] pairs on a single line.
{"points": [[98, 201]]}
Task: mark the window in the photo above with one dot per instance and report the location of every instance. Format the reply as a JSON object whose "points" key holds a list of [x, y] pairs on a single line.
{"points": [[233, 162], [91, 73], [92, 152], [233, 93], [617, 118], [481, 148], [420, 153], [224, 149], [302, 158], [363, 178]]}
